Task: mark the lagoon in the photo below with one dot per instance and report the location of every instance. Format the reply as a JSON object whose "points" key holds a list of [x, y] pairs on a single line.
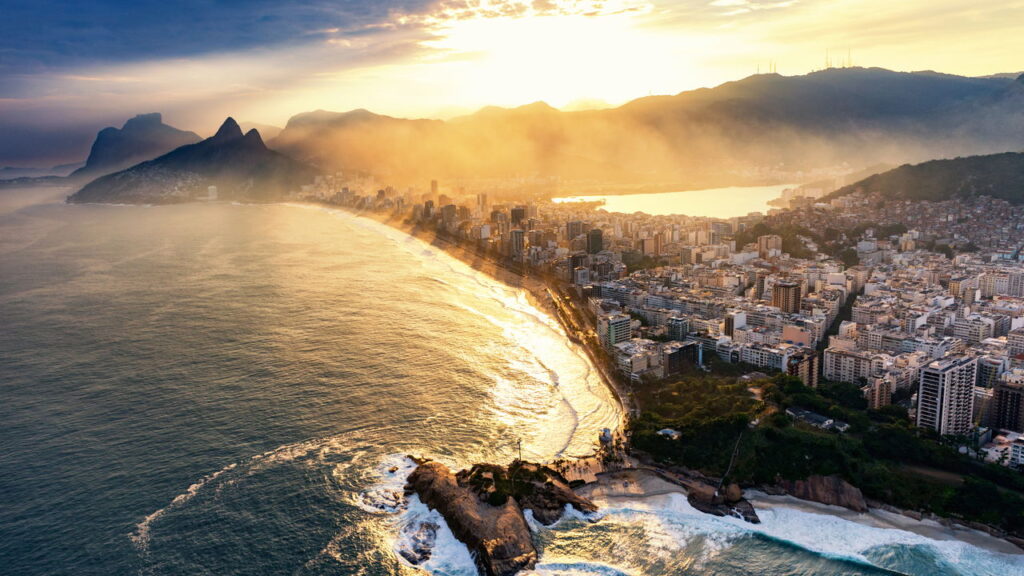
{"points": [[726, 202]]}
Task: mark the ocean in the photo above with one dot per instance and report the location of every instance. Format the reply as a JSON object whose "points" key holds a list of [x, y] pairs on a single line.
{"points": [[234, 389]]}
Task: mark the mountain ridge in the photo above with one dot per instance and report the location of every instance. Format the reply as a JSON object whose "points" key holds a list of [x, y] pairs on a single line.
{"points": [[858, 116], [141, 138], [996, 175], [239, 165]]}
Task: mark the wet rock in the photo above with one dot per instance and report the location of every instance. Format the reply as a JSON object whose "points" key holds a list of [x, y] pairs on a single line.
{"points": [[417, 548], [831, 490], [733, 493], [497, 534]]}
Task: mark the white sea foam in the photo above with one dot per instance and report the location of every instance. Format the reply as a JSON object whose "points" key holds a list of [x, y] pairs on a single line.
{"points": [[670, 523], [142, 530], [387, 495], [838, 537], [283, 454], [448, 557], [569, 568]]}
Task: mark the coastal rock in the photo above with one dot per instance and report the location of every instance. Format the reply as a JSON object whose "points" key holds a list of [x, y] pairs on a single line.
{"points": [[549, 499], [730, 502], [498, 535], [733, 493], [831, 490]]}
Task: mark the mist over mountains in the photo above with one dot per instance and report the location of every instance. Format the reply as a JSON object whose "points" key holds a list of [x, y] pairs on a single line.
{"points": [[239, 165], [737, 131], [760, 129], [142, 138]]}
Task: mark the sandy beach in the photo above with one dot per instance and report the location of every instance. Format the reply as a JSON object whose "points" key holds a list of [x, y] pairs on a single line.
{"points": [[631, 484], [888, 520], [535, 287], [639, 484]]}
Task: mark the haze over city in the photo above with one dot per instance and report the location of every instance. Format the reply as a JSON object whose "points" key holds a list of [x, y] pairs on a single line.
{"points": [[512, 287]]}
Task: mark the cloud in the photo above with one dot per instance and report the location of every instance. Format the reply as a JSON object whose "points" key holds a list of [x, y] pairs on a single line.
{"points": [[91, 64], [736, 7]]}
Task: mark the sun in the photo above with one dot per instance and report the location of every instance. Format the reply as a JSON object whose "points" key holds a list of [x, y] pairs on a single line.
{"points": [[557, 58]]}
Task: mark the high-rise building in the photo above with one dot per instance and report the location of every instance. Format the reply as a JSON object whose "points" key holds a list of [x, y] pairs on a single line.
{"points": [[804, 364], [613, 329], [878, 392], [1015, 284], [769, 245], [433, 187], [990, 370], [1015, 342], [786, 296], [678, 327], [518, 215], [595, 241], [945, 395], [1008, 406], [517, 243], [759, 279], [573, 229], [581, 276], [448, 214], [577, 261]]}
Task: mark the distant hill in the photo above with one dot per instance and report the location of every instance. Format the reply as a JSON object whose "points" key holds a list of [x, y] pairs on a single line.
{"points": [[142, 138], [12, 172], [267, 131], [996, 175], [240, 166], [760, 125]]}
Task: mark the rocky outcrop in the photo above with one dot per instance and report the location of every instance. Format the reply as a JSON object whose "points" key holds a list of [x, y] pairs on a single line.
{"points": [[498, 535], [548, 498], [484, 506], [728, 502], [831, 490]]}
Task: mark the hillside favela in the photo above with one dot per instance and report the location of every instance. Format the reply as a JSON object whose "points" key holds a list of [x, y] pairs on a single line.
{"points": [[499, 287]]}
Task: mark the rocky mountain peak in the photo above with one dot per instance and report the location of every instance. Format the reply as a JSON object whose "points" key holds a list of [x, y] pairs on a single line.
{"points": [[229, 130], [144, 121]]}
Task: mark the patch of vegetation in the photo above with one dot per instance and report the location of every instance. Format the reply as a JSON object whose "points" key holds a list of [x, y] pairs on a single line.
{"points": [[995, 175], [791, 244], [883, 453]]}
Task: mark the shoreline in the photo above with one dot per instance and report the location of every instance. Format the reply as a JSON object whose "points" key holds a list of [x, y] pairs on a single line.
{"points": [[590, 468], [644, 483], [537, 291]]}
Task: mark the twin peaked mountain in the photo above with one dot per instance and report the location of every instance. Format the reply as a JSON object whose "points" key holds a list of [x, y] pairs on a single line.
{"points": [[762, 128], [239, 165]]}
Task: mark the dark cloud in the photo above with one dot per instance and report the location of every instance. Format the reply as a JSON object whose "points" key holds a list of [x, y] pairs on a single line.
{"points": [[41, 40], [48, 34]]}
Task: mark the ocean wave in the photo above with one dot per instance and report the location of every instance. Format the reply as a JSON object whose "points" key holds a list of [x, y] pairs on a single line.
{"points": [[839, 538], [445, 555], [141, 536], [280, 455], [578, 569]]}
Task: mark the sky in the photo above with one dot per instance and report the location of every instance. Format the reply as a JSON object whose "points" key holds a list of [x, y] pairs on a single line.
{"points": [[69, 68]]}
